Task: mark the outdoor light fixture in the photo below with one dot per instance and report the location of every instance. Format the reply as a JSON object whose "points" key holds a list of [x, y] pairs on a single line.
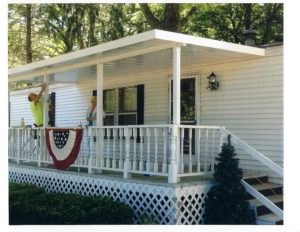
{"points": [[213, 84]]}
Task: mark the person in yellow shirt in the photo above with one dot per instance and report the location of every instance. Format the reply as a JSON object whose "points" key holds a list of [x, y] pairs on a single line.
{"points": [[37, 106]]}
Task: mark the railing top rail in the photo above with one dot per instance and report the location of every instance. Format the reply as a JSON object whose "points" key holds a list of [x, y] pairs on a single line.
{"points": [[130, 126], [25, 128], [254, 153], [200, 126], [159, 125]]}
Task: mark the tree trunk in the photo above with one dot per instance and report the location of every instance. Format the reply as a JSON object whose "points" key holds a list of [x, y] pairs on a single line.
{"points": [[151, 19], [92, 14], [247, 16], [172, 17], [271, 12], [28, 34]]}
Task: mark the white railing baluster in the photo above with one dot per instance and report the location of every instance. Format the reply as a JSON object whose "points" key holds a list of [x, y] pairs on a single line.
{"points": [[198, 150], [148, 149], [164, 164], [121, 164], [141, 165], [94, 145], [182, 150], [127, 150], [100, 147], [155, 152], [28, 141], [9, 143], [114, 148], [206, 151], [20, 152], [190, 150], [213, 151], [134, 164], [90, 150], [10, 139], [25, 144], [41, 142], [107, 147]]}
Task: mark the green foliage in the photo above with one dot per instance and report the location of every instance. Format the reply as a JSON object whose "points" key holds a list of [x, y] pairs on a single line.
{"points": [[61, 28], [226, 201], [148, 219], [29, 205]]}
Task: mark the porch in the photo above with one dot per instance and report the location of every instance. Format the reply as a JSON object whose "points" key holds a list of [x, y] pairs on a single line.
{"points": [[159, 150]]}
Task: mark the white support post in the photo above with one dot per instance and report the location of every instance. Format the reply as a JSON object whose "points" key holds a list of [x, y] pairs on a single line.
{"points": [[46, 96], [176, 85], [175, 146], [99, 94], [100, 142], [172, 175]]}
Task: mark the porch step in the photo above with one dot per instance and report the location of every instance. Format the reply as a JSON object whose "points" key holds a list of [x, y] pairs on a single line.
{"points": [[274, 192], [269, 219], [255, 179], [267, 189], [262, 209]]}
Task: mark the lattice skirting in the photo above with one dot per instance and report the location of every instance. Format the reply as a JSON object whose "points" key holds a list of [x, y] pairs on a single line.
{"points": [[171, 204]]}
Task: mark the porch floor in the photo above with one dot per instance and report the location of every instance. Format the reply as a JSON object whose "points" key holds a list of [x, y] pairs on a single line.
{"points": [[157, 180]]}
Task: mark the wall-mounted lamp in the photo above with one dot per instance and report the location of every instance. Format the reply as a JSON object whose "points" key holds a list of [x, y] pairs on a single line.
{"points": [[213, 84]]}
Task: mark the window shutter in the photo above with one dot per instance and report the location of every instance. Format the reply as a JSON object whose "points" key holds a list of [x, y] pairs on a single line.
{"points": [[140, 104], [94, 93], [52, 111]]}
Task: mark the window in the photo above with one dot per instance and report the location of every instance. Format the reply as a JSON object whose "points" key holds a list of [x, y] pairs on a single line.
{"points": [[128, 106], [124, 106]]}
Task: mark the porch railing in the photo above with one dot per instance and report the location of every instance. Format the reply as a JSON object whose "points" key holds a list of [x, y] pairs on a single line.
{"points": [[142, 149]]}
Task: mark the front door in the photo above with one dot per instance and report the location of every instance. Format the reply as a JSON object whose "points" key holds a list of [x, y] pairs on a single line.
{"points": [[188, 106], [188, 111]]}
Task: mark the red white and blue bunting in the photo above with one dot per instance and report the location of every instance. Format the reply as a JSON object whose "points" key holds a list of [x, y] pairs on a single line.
{"points": [[63, 146]]}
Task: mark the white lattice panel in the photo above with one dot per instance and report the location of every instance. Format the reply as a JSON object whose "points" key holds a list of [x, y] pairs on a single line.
{"points": [[171, 205], [190, 204]]}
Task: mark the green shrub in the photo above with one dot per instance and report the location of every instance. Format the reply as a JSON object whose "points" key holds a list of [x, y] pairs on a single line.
{"points": [[226, 201], [29, 205], [148, 219]]}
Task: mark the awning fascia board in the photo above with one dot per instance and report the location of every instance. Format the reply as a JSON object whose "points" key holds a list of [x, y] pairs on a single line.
{"points": [[210, 43]]}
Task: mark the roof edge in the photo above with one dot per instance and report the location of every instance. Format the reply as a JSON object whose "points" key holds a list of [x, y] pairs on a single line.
{"points": [[129, 40], [199, 41]]}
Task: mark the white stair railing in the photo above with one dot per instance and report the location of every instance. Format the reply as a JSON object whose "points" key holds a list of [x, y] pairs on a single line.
{"points": [[263, 159], [254, 153], [264, 200]]}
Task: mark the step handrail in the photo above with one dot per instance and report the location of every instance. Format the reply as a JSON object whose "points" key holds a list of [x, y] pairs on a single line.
{"points": [[264, 200], [256, 154]]}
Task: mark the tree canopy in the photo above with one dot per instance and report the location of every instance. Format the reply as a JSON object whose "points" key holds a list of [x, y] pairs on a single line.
{"points": [[38, 31]]}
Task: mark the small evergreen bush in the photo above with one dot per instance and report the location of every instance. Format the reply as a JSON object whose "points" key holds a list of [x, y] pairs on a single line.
{"points": [[226, 201], [29, 205]]}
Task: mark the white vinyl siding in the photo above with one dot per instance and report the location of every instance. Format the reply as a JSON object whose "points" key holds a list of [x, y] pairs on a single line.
{"points": [[249, 103]]}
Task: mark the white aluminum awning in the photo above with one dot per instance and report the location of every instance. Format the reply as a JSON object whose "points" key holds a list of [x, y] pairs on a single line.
{"points": [[143, 52]]}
